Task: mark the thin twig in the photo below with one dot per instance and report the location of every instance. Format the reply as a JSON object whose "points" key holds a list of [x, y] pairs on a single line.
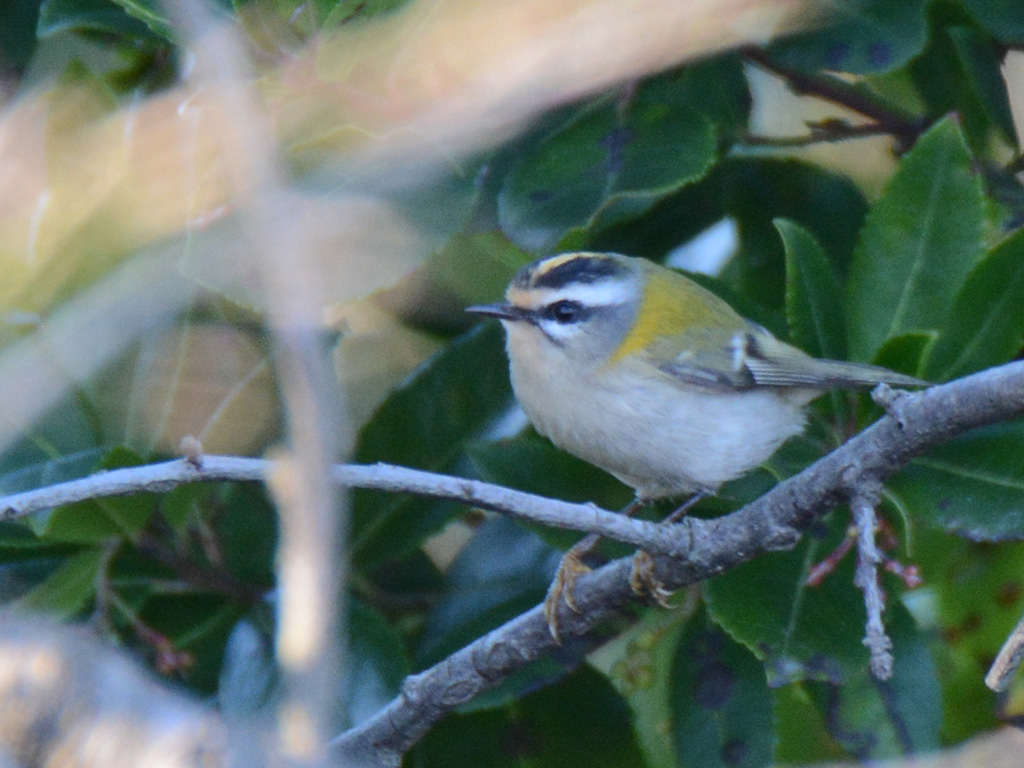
{"points": [[817, 574], [165, 476], [1008, 661], [829, 131], [216, 580], [905, 127], [862, 505]]}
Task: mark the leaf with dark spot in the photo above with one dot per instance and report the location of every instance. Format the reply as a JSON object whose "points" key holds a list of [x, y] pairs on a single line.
{"points": [[858, 36], [875, 719], [801, 632], [721, 704], [610, 161], [971, 486]]}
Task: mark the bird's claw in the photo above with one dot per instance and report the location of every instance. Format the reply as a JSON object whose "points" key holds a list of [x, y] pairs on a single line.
{"points": [[564, 584], [644, 581]]}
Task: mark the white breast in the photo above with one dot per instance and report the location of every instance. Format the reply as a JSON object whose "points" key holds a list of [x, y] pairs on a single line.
{"points": [[656, 436]]}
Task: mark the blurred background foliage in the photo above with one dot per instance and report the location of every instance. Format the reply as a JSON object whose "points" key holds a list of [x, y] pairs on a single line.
{"points": [[852, 183]]}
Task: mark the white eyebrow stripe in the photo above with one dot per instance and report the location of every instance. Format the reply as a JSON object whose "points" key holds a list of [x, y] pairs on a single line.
{"points": [[600, 294]]}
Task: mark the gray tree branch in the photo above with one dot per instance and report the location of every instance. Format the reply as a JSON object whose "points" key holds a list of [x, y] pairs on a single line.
{"points": [[194, 468]]}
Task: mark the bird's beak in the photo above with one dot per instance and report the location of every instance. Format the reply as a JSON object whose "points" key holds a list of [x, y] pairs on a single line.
{"points": [[503, 311]]}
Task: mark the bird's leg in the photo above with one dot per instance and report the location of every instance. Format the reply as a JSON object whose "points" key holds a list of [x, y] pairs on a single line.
{"points": [[572, 565], [686, 506], [642, 578]]}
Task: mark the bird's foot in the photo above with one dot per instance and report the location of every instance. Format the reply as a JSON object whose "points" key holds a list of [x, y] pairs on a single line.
{"points": [[644, 581], [564, 583], [642, 577]]}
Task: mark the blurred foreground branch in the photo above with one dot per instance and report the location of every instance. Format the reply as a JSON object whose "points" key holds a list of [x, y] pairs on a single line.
{"points": [[313, 520], [393, 98], [66, 699]]}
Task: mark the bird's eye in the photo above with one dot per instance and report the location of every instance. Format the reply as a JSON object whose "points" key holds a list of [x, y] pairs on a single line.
{"points": [[564, 312]]}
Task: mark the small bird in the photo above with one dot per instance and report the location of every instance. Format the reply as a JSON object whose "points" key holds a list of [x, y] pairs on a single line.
{"points": [[638, 370]]}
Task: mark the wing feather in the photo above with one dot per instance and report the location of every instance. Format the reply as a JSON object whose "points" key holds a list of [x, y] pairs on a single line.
{"points": [[755, 358]]}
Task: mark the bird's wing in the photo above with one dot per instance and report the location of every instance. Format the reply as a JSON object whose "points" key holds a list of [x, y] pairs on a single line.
{"points": [[773, 363], [723, 360], [707, 359]]}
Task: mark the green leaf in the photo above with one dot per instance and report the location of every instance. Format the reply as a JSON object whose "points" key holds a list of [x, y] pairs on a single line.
{"points": [[639, 662], [919, 242], [802, 736], [793, 456], [246, 529], [610, 162], [531, 463], [859, 36], [248, 682], [660, 143], [84, 522], [180, 505], [377, 664], [971, 486], [972, 597], [21, 571], [15, 535], [985, 326], [424, 424], [18, 21], [415, 577], [1003, 18], [981, 61], [722, 708], [759, 191], [960, 73], [560, 183], [718, 87], [753, 192], [88, 16], [502, 571], [149, 14], [476, 267], [40, 474], [197, 624], [907, 352], [66, 592], [875, 719], [813, 305], [130, 513], [580, 720], [98, 520], [800, 632]]}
